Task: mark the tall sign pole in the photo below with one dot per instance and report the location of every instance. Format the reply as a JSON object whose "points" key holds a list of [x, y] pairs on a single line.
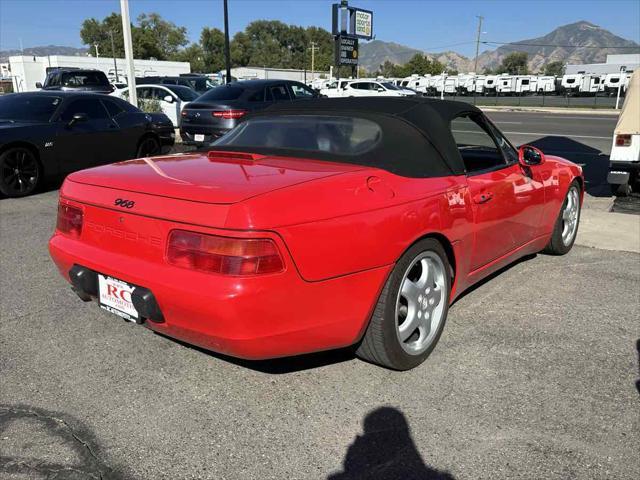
{"points": [[113, 53], [227, 53], [128, 52], [623, 71], [348, 25]]}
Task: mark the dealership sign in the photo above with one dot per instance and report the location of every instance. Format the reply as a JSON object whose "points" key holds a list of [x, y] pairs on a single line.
{"points": [[346, 51], [362, 23]]}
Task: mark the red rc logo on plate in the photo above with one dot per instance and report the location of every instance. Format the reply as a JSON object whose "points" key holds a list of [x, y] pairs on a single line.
{"points": [[115, 297]]}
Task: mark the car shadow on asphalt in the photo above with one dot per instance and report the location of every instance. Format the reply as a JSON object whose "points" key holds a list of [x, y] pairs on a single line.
{"points": [[595, 164], [278, 366], [38, 443], [386, 451], [495, 274]]}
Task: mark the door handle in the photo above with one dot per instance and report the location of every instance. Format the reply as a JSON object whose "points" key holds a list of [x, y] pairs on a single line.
{"points": [[483, 197]]}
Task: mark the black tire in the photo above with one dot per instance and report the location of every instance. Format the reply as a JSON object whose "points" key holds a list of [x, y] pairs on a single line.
{"points": [[622, 190], [148, 147], [20, 172], [380, 343], [556, 245]]}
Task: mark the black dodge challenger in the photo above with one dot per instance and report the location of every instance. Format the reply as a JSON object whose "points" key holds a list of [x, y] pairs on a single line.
{"points": [[49, 134]]}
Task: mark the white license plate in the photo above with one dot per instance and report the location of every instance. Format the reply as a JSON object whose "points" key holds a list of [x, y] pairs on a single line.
{"points": [[199, 137], [115, 297]]}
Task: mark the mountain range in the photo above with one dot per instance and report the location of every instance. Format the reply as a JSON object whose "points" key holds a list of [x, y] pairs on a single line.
{"points": [[44, 51], [576, 43]]}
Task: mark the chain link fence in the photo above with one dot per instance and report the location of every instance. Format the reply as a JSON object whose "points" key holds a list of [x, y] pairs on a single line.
{"points": [[597, 100]]}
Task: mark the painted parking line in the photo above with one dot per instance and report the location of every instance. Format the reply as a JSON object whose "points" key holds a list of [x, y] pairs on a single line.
{"points": [[569, 135], [513, 123], [606, 119], [538, 134]]}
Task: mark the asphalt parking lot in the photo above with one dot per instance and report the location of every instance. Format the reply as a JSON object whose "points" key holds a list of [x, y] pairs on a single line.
{"points": [[537, 375]]}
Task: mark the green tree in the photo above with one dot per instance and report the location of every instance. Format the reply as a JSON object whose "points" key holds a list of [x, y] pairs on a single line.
{"points": [[152, 37], [212, 44], [195, 56], [554, 68], [98, 32], [155, 37], [514, 64]]}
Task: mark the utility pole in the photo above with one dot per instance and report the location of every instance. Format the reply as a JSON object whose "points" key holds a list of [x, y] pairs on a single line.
{"points": [[227, 53], [313, 48], [475, 64], [128, 52], [623, 71], [113, 54], [97, 55]]}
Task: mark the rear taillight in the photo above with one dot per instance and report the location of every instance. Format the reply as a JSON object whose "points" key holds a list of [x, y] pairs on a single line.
{"points": [[228, 114], [69, 220], [223, 255], [623, 140]]}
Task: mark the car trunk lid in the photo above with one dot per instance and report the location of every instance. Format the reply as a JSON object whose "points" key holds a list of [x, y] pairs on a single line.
{"points": [[213, 177]]}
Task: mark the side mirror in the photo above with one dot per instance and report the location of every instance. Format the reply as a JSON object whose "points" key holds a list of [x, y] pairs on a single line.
{"points": [[38, 85], [380, 89], [528, 156], [78, 118], [168, 99]]}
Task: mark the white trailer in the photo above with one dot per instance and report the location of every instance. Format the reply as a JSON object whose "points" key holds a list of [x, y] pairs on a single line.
{"points": [[546, 84], [612, 80]]}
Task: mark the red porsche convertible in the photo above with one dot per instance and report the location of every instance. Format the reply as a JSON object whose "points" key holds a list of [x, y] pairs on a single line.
{"points": [[315, 225]]}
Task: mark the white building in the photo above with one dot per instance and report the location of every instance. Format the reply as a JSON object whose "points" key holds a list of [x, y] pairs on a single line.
{"points": [[263, 73], [631, 61], [26, 71]]}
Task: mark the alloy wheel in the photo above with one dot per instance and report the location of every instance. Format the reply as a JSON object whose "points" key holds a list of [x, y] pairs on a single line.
{"points": [[20, 172], [420, 304], [570, 216]]}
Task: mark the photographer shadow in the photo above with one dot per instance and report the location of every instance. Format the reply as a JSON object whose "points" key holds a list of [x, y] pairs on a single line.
{"points": [[386, 452]]}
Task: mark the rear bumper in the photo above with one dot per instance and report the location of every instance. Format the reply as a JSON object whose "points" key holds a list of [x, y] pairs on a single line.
{"points": [[254, 317], [188, 135], [621, 173]]}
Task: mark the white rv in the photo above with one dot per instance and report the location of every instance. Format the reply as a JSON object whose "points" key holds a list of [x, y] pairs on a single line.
{"points": [[546, 84], [489, 84], [516, 84], [624, 161], [581, 84], [612, 80]]}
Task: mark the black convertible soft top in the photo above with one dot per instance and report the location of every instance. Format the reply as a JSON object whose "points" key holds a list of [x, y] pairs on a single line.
{"points": [[416, 133]]}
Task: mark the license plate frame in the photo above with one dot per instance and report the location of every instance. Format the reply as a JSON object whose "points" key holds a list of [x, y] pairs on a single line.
{"points": [[114, 296]]}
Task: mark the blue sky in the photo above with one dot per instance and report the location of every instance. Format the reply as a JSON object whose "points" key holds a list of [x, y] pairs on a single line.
{"points": [[424, 24]]}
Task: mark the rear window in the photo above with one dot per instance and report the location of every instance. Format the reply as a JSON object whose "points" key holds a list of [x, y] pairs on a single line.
{"points": [[223, 92], [317, 133], [84, 79], [29, 108]]}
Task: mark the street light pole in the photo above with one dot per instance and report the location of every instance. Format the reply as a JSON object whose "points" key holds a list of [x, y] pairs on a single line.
{"points": [[313, 49], [97, 55], [227, 53], [623, 70], [113, 54], [128, 52], [475, 64]]}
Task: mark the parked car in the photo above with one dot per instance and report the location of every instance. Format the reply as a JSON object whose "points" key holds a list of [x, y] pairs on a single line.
{"points": [[200, 84], [624, 166], [222, 108], [49, 134], [76, 80], [372, 88], [316, 225], [172, 98]]}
